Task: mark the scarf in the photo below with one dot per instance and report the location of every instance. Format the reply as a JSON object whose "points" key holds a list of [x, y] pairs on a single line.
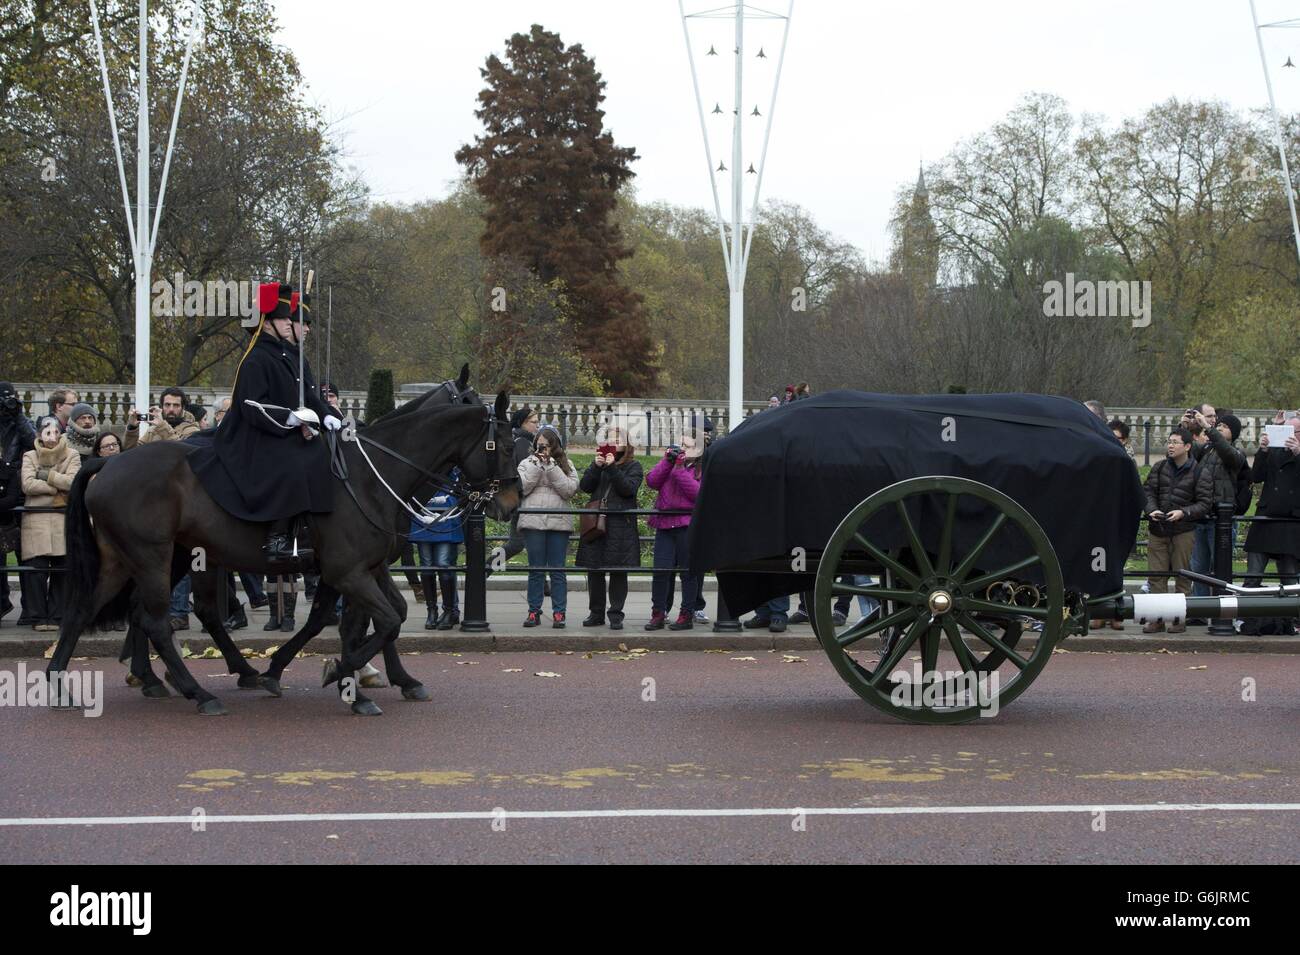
{"points": [[52, 457], [81, 440]]}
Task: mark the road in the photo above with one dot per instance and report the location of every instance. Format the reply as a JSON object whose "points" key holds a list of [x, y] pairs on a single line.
{"points": [[713, 768]]}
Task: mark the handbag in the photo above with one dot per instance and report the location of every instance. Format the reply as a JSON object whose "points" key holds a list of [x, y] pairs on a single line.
{"points": [[591, 527]]}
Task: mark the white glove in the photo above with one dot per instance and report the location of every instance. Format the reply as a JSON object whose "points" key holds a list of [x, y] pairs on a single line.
{"points": [[293, 420], [332, 423]]}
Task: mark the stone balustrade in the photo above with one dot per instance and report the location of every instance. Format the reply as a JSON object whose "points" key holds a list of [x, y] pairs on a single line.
{"points": [[653, 423]]}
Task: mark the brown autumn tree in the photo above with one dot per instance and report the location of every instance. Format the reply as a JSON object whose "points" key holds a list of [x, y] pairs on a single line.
{"points": [[550, 175]]}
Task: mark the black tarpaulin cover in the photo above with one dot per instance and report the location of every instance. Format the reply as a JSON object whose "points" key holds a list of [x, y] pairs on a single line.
{"points": [[787, 477]]}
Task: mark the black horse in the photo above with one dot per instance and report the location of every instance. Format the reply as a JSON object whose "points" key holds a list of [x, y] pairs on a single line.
{"points": [[136, 646], [353, 543]]}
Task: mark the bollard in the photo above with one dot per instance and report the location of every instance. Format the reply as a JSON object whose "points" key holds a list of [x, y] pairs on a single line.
{"points": [[724, 621], [647, 432], [1223, 512], [1146, 443], [475, 618]]}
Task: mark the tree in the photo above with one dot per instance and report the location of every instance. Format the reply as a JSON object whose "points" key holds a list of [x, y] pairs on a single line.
{"points": [[379, 398], [252, 178], [550, 175]]}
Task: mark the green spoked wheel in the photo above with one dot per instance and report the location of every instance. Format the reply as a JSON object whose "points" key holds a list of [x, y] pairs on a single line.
{"points": [[935, 600]]}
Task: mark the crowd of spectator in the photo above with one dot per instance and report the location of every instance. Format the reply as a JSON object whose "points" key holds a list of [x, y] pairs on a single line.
{"points": [[1202, 470]]}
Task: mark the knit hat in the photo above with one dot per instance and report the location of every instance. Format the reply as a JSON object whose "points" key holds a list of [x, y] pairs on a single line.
{"points": [[552, 435], [1233, 423], [520, 416], [81, 408]]}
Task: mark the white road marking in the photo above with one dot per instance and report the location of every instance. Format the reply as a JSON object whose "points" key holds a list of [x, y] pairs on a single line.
{"points": [[212, 818]]}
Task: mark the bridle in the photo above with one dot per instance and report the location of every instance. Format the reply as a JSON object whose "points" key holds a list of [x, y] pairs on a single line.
{"points": [[470, 495]]}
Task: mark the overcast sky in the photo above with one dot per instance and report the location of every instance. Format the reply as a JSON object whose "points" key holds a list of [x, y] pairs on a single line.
{"points": [[868, 88]]}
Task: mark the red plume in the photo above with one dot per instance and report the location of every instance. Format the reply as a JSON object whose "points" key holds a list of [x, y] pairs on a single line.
{"points": [[268, 297]]}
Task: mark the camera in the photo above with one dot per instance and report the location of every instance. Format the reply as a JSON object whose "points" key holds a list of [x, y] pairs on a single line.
{"points": [[673, 451]]}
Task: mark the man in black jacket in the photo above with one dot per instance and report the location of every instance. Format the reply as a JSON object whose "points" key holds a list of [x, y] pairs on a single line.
{"points": [[16, 438], [1278, 469], [1218, 463], [1173, 507]]}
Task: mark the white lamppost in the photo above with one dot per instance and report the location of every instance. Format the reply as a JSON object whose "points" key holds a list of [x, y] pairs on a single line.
{"points": [[732, 232], [143, 238], [1287, 185]]}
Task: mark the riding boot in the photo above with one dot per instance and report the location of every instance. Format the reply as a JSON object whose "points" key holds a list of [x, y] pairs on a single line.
{"points": [[287, 623], [278, 544], [273, 604]]}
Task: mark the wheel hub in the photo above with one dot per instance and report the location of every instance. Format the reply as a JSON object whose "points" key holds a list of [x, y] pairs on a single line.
{"points": [[940, 602]]}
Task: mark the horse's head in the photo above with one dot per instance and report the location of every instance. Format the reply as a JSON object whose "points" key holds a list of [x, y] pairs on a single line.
{"points": [[488, 461]]}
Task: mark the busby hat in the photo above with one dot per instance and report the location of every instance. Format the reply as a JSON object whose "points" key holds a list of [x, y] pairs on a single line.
{"points": [[302, 313], [276, 300]]}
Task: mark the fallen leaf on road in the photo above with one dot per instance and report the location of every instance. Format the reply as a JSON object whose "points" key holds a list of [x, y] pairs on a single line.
{"points": [[563, 653], [49, 651], [248, 652], [545, 673], [717, 651], [623, 647], [792, 659], [186, 652], [209, 653], [331, 836], [1162, 650], [742, 659], [1059, 650], [466, 663], [1203, 666], [513, 670], [270, 651]]}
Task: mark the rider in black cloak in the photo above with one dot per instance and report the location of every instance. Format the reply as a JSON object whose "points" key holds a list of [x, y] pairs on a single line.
{"points": [[265, 463]]}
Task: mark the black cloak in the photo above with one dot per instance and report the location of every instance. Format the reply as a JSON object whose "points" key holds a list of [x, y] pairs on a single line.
{"points": [[253, 469]]}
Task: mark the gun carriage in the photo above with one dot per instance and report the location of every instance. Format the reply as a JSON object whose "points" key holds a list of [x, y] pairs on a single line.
{"points": [[992, 527]]}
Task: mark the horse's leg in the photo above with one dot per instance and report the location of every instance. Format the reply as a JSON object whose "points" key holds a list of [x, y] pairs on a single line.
{"points": [[203, 585], [78, 616], [412, 689], [155, 597], [320, 608], [150, 686], [365, 597]]}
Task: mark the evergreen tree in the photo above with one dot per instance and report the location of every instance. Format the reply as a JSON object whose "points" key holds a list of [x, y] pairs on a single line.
{"points": [[379, 399], [550, 175]]}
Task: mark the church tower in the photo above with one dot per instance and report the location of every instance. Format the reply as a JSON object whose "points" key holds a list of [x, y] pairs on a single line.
{"points": [[915, 254]]}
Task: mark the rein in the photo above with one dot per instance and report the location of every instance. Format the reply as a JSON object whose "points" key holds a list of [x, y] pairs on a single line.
{"points": [[472, 494]]}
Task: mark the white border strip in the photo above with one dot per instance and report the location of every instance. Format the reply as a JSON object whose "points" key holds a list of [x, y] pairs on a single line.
{"points": [[649, 813]]}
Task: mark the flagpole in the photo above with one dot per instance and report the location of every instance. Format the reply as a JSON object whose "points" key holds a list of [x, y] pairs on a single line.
{"points": [[1287, 185]]}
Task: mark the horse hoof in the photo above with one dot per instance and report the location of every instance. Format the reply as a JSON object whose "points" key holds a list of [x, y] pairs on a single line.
{"points": [[366, 708], [271, 685], [155, 691], [375, 682], [212, 707], [416, 694], [249, 681], [330, 673]]}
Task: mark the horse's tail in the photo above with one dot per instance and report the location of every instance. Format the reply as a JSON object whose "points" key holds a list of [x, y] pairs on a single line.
{"points": [[81, 567]]}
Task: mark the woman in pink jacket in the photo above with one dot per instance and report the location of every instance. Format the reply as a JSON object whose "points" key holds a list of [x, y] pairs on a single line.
{"points": [[677, 479]]}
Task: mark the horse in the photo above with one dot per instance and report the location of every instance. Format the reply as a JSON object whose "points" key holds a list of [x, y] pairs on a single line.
{"points": [[112, 546], [136, 647]]}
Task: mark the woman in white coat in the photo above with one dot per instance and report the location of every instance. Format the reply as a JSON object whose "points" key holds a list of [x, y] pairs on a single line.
{"points": [[48, 470], [547, 479]]}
